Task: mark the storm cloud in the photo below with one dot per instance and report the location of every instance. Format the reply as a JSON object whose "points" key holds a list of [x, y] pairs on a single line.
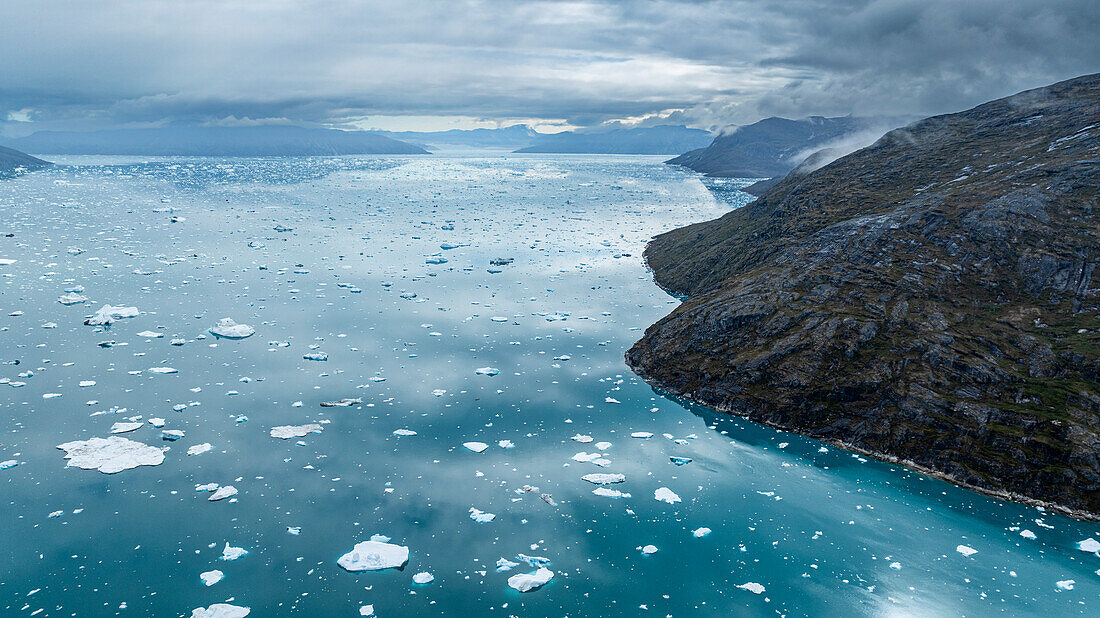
{"points": [[706, 64]]}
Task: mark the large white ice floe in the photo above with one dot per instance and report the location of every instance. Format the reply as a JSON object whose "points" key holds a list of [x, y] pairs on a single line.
{"points": [[220, 610], [233, 553], [223, 492], [228, 329], [1090, 545], [966, 550], [476, 447], [603, 478], [71, 298], [752, 587], [374, 556], [664, 494], [124, 427], [211, 577], [287, 432], [423, 578], [526, 582], [109, 313], [110, 455]]}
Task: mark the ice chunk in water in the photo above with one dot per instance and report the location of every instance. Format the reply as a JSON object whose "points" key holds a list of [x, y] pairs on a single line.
{"points": [[233, 553], [476, 447], [125, 427], [481, 517], [72, 298], [1090, 545], [526, 582], [966, 550], [487, 371], [423, 578], [108, 314], [752, 587], [1065, 584], [199, 449], [110, 455], [228, 329], [222, 493], [664, 494], [505, 564], [286, 432], [342, 403], [600, 478], [220, 610], [211, 577], [644, 435], [374, 556], [649, 549], [700, 532]]}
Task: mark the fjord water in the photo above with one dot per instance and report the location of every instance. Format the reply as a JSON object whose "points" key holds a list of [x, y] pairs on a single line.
{"points": [[335, 256]]}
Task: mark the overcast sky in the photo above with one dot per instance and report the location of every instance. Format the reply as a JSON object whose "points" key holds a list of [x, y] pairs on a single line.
{"points": [[461, 64]]}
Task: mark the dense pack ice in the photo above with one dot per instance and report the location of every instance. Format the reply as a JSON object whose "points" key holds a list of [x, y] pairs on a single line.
{"points": [[374, 556], [110, 455]]}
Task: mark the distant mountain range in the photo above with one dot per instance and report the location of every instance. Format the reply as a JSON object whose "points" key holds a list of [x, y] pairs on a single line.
{"points": [[773, 146], [13, 160], [506, 138], [215, 141], [665, 139]]}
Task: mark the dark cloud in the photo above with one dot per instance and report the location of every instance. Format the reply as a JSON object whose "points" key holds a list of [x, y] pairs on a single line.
{"points": [[711, 63]]}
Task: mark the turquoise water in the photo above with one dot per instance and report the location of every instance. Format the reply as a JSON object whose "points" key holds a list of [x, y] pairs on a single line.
{"points": [[348, 274]]}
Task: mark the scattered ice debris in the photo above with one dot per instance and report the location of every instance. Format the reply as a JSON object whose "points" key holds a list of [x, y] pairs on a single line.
{"points": [[700, 532], [286, 432], [644, 435], [752, 587], [679, 461], [125, 427], [506, 444], [481, 517], [526, 582], [487, 371], [222, 493], [220, 610], [342, 403], [110, 455], [476, 447], [211, 577], [72, 298], [199, 449], [374, 556], [423, 578], [895, 565], [601, 478], [1090, 545], [966, 550], [649, 549], [226, 328], [233, 553], [315, 356], [664, 494], [108, 314]]}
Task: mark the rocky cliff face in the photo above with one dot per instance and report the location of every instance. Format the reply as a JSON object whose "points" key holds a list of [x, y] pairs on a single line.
{"points": [[931, 299]]}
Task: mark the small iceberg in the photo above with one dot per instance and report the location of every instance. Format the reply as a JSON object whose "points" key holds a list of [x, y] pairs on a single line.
{"points": [[220, 610], [476, 447], [664, 494], [226, 328], [487, 371], [526, 582], [222, 493], [423, 578], [374, 556], [108, 314], [602, 478], [966, 550], [211, 577], [752, 587], [233, 553], [286, 432], [110, 455]]}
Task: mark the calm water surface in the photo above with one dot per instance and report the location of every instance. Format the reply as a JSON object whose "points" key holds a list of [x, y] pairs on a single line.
{"points": [[341, 256]]}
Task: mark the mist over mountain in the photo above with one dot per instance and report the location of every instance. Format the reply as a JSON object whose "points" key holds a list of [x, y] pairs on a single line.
{"points": [[215, 141], [775, 146], [664, 139]]}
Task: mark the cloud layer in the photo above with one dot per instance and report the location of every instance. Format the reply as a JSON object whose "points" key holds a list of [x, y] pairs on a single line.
{"points": [[711, 63]]}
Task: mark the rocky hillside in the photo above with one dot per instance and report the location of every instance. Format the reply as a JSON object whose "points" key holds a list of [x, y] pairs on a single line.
{"points": [[768, 148], [12, 160], [928, 299]]}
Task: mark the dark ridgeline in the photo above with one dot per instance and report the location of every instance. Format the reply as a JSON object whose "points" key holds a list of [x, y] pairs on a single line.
{"points": [[661, 140], [765, 149], [215, 141], [928, 299], [12, 161]]}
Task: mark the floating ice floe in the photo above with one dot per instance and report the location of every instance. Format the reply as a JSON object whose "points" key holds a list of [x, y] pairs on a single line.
{"points": [[505, 564], [423, 578], [526, 582], [1090, 545], [211, 577], [366, 610], [481, 517], [342, 403], [643, 435], [752, 587], [601, 478], [125, 427], [1065, 584], [286, 432], [664, 494], [163, 370], [108, 314], [607, 492], [476, 447], [315, 356], [700, 532], [222, 493], [150, 334], [72, 298], [9, 463], [199, 449], [680, 461], [226, 328], [233, 553], [374, 556], [966, 550], [110, 455], [220, 610], [583, 439], [404, 432], [487, 371], [7, 261], [649, 549]]}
